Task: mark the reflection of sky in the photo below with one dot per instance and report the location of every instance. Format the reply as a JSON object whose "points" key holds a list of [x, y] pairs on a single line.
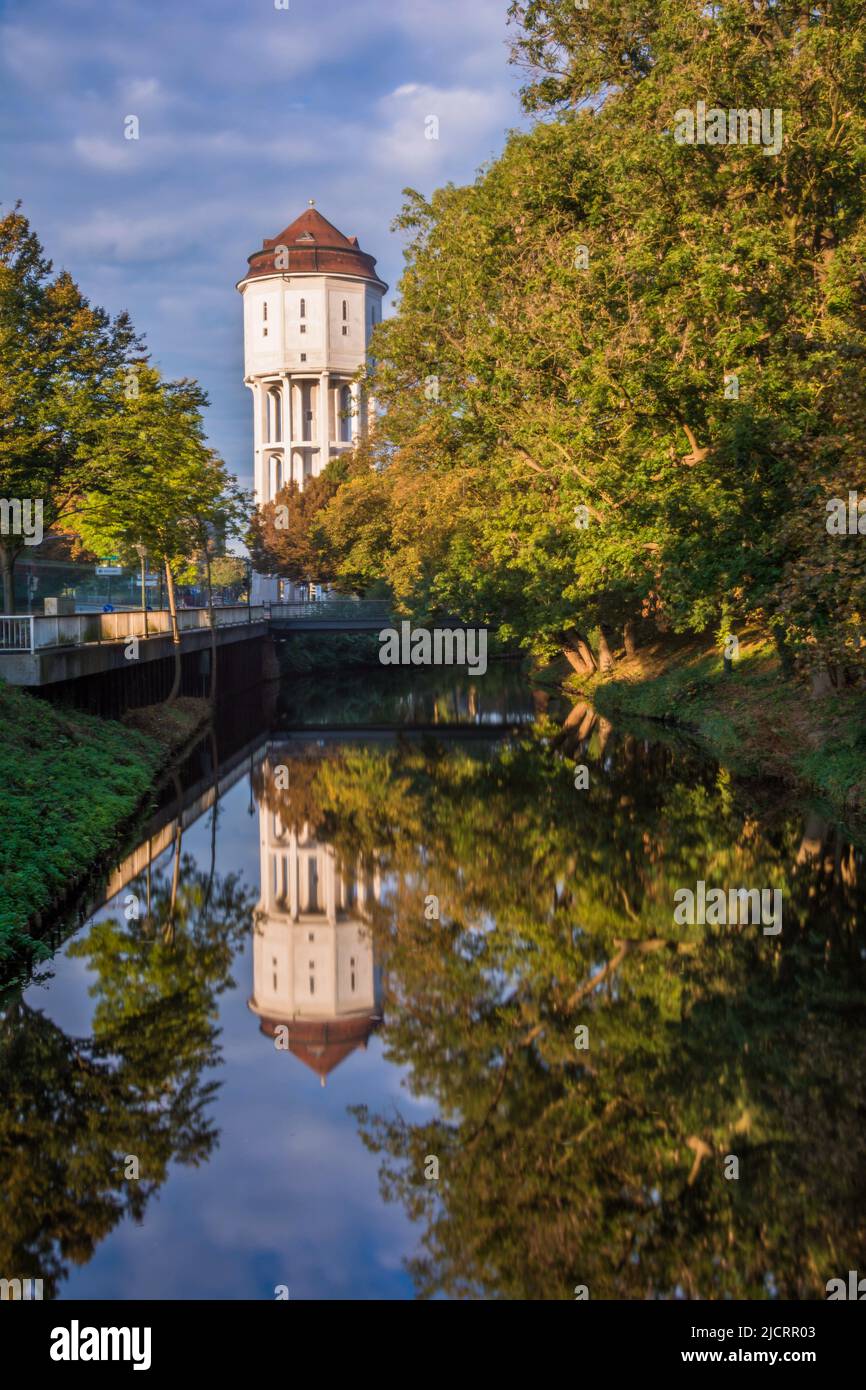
{"points": [[290, 1195]]}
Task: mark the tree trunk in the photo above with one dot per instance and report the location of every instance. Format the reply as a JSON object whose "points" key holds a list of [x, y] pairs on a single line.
{"points": [[629, 640], [168, 928], [587, 724], [786, 660], [7, 564], [605, 656], [821, 683], [578, 654], [175, 634], [814, 835], [213, 641], [214, 757]]}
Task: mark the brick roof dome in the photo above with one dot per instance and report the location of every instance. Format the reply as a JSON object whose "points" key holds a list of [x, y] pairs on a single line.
{"points": [[322, 1044], [315, 246]]}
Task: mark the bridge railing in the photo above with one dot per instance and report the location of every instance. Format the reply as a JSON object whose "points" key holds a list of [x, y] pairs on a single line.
{"points": [[333, 609], [35, 632]]}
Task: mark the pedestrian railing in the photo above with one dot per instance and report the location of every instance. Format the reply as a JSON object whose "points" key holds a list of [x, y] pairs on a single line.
{"points": [[333, 609], [35, 632], [15, 635]]}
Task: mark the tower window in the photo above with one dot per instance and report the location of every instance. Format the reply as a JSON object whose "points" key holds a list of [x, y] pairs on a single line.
{"points": [[264, 332], [312, 985], [311, 936], [303, 308], [303, 328], [303, 357], [353, 982], [345, 311], [264, 313], [345, 330], [312, 965]]}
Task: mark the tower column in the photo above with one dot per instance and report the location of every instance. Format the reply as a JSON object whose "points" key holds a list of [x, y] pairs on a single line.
{"points": [[294, 894], [330, 876], [286, 388], [258, 456], [324, 426], [356, 411]]}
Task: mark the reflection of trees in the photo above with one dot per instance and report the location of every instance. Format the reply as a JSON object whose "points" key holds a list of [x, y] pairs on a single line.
{"points": [[606, 1167], [72, 1109]]}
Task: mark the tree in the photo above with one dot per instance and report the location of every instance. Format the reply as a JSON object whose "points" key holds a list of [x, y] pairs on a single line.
{"points": [[166, 486], [62, 370], [284, 536], [228, 572], [617, 352], [214, 525]]}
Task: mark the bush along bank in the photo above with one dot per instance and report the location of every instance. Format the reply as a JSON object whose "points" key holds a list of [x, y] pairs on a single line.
{"points": [[71, 784], [751, 717]]}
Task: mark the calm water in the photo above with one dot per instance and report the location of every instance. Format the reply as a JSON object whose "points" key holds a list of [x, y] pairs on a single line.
{"points": [[350, 951]]}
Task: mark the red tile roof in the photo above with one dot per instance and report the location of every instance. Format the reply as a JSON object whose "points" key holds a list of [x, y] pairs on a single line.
{"points": [[315, 246], [322, 1044]]}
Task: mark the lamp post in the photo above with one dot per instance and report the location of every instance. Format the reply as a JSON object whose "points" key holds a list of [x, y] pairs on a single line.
{"points": [[141, 551]]}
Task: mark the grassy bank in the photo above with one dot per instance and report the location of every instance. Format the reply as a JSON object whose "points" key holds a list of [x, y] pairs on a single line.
{"points": [[69, 784], [755, 720]]}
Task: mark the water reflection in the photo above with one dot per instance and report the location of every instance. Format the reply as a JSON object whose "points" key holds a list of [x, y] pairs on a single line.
{"points": [[285, 892], [316, 989]]}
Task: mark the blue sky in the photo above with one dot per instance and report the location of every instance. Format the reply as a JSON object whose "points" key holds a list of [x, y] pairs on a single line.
{"points": [[245, 113]]}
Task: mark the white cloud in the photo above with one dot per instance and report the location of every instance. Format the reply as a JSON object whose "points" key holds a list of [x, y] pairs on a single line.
{"points": [[129, 235], [100, 153], [469, 124], [144, 89]]}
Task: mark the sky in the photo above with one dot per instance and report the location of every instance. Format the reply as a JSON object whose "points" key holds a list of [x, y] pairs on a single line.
{"points": [[245, 112]]}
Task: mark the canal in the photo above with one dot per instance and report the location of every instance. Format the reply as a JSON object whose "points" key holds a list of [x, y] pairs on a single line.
{"points": [[386, 999]]}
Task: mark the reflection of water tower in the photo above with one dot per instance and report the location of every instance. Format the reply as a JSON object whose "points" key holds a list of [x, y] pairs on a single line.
{"points": [[313, 965]]}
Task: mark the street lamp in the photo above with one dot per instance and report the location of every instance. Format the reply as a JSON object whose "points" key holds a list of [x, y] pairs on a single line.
{"points": [[141, 551]]}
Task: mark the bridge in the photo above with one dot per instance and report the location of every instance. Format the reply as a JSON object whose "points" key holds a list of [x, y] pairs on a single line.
{"points": [[37, 649], [331, 615]]}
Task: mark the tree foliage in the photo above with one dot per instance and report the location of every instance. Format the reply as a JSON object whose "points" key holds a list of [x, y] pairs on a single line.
{"points": [[625, 373]]}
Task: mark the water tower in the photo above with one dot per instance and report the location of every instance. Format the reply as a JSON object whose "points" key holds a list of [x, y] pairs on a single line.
{"points": [[311, 300]]}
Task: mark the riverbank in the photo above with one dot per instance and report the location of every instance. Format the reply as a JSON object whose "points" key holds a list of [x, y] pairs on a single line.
{"points": [[754, 719], [71, 784]]}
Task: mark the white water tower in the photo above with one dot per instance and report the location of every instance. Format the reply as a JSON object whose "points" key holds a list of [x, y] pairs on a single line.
{"points": [[311, 300]]}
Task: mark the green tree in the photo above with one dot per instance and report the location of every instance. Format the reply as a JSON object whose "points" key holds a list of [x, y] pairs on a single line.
{"points": [[285, 536], [166, 488], [617, 355], [62, 367]]}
